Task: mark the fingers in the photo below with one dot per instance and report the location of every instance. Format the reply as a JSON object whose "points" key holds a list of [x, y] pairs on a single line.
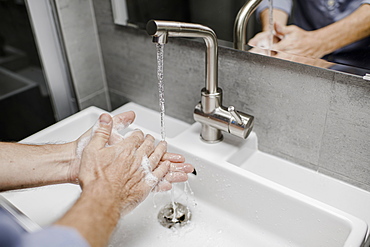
{"points": [[147, 148], [279, 29], [258, 39], [181, 167], [163, 185], [134, 141], [179, 172], [176, 177], [158, 153], [102, 131], [161, 173], [120, 122], [175, 174], [176, 158], [282, 30]]}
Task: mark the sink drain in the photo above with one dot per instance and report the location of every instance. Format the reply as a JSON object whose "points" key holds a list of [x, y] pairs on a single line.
{"points": [[174, 214]]}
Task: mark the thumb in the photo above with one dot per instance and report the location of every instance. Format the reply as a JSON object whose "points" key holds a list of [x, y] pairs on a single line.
{"points": [[280, 30], [102, 131], [286, 30]]}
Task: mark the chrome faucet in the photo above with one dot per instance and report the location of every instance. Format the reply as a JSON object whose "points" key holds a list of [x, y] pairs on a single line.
{"points": [[240, 24], [209, 112]]}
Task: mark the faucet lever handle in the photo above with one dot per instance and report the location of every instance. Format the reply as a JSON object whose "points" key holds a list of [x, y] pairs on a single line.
{"points": [[235, 114]]}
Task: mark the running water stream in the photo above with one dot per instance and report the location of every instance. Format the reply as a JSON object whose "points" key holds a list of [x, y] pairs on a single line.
{"points": [[160, 49], [160, 73]]}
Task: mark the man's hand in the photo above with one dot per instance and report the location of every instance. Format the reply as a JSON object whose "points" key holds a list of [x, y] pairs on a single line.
{"points": [[289, 39], [129, 169], [295, 40], [120, 122], [178, 169]]}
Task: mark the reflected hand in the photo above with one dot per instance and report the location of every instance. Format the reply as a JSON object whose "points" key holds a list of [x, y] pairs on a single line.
{"points": [[298, 41], [262, 40]]}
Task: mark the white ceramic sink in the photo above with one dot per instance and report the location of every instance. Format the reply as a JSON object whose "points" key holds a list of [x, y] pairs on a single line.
{"points": [[235, 206]]}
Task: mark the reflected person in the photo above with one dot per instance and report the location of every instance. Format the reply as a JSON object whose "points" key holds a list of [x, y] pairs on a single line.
{"points": [[336, 30], [116, 173]]}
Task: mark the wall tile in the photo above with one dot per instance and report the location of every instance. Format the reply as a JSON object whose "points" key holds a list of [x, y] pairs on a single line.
{"points": [[289, 106], [117, 99], [98, 99], [82, 47], [345, 144]]}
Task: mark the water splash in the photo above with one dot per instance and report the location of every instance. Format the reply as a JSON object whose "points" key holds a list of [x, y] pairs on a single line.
{"points": [[160, 51], [188, 191]]}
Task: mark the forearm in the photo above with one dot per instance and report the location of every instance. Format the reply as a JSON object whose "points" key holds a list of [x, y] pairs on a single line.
{"points": [[279, 16], [97, 211], [24, 166], [346, 31]]}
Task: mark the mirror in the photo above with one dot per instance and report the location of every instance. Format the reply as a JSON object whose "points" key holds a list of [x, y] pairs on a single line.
{"points": [[34, 88], [24, 98], [216, 14]]}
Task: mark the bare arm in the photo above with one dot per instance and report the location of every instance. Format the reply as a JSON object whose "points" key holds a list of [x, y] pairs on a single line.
{"points": [[94, 215], [24, 166], [323, 41], [346, 31]]}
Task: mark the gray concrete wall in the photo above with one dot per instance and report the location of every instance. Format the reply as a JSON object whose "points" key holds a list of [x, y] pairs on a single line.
{"points": [[82, 48], [315, 117]]}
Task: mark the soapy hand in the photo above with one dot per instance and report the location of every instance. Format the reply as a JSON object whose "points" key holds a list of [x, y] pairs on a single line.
{"points": [[178, 169], [128, 169]]}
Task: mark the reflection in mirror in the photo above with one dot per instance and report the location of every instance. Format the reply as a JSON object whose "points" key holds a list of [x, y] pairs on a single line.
{"points": [[337, 32], [24, 98], [220, 16], [216, 14]]}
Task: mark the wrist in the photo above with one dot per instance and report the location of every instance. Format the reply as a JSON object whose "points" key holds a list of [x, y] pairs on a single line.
{"points": [[104, 196], [64, 163], [279, 16], [97, 211], [323, 45], [73, 163]]}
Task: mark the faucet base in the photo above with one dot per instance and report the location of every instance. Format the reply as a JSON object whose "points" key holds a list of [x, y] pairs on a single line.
{"points": [[210, 134], [206, 112]]}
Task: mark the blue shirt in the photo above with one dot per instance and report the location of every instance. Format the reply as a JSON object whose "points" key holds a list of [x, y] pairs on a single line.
{"points": [[315, 14], [13, 235]]}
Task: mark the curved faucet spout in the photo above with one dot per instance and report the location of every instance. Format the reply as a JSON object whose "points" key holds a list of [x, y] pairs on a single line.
{"points": [[240, 24], [209, 112], [161, 30]]}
